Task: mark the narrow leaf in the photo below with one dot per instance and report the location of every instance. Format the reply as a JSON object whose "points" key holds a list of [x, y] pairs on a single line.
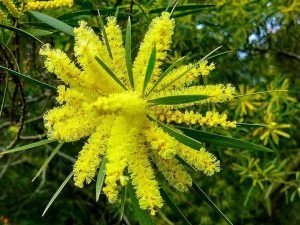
{"points": [[222, 140], [174, 208], [100, 178], [248, 196], [183, 8], [27, 78], [219, 54], [204, 196], [21, 32], [123, 200], [179, 136], [57, 192], [187, 13], [39, 32], [150, 68], [142, 216], [46, 162], [26, 147], [55, 23], [104, 35], [4, 95], [167, 71], [128, 53], [89, 12], [192, 67], [110, 72], [251, 125], [177, 99]]}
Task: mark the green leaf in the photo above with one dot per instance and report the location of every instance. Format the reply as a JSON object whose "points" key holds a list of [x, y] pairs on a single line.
{"points": [[110, 72], [27, 78], [150, 68], [219, 54], [192, 67], [123, 199], [39, 32], [26, 147], [167, 71], [89, 12], [248, 196], [183, 8], [251, 125], [204, 196], [174, 208], [177, 99], [100, 178], [55, 23], [186, 13], [217, 139], [46, 162], [104, 35], [21, 32], [4, 95], [57, 192], [182, 138], [142, 216], [128, 53]]}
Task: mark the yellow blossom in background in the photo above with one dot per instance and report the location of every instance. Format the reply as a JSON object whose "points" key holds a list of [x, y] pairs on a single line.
{"points": [[277, 98], [12, 8], [3, 17], [98, 102], [272, 130], [16, 10], [52, 4], [247, 103]]}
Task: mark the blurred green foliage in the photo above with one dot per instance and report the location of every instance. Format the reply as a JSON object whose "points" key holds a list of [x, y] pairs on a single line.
{"points": [[260, 42]]}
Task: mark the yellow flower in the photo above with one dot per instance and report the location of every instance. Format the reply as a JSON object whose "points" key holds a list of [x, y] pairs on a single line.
{"points": [[272, 131], [98, 102], [12, 8], [52, 4], [245, 105], [3, 17]]}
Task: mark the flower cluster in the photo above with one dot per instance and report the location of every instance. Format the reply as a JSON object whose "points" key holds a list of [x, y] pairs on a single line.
{"points": [[52, 4], [16, 11], [120, 119]]}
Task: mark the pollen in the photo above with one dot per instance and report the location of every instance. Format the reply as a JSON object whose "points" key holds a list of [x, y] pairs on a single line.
{"points": [[119, 123]]}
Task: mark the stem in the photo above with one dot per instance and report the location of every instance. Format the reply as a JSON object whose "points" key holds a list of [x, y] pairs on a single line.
{"points": [[260, 92]]}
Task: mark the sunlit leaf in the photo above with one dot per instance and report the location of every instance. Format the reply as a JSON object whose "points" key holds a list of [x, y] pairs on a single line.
{"points": [[128, 53], [150, 68], [110, 72], [100, 178], [100, 19], [123, 200]]}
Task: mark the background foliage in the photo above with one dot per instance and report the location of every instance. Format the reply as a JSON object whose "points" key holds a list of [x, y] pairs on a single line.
{"points": [[261, 49]]}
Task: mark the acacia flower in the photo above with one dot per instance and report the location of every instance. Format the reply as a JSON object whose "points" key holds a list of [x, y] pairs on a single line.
{"points": [[119, 115], [16, 10], [52, 4]]}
